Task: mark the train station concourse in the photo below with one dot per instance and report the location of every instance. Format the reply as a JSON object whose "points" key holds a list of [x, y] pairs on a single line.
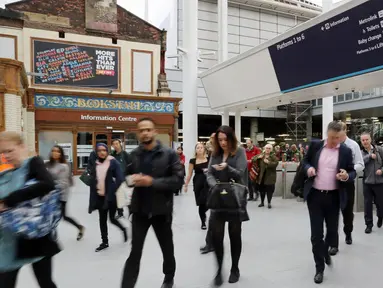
{"points": [[276, 251]]}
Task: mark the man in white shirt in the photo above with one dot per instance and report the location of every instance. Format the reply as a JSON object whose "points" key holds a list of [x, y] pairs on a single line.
{"points": [[348, 211]]}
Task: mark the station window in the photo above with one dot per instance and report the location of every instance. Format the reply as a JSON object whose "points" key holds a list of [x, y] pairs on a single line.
{"points": [[314, 102], [320, 102], [84, 148], [131, 142], [356, 95], [333, 99], [340, 98], [348, 96]]}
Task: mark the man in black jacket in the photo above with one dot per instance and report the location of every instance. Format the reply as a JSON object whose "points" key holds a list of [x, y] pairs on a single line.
{"points": [[155, 172]]}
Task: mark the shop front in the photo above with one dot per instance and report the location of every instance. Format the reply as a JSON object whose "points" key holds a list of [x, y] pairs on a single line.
{"points": [[78, 122]]}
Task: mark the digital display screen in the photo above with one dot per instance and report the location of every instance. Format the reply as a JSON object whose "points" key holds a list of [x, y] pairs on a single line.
{"points": [[344, 46]]}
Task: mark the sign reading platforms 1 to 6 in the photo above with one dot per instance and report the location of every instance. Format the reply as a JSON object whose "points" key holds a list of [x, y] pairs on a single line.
{"points": [[346, 45], [70, 64]]}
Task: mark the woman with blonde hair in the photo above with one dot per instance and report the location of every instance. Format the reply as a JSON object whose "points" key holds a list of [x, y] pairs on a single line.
{"points": [[199, 165], [16, 251]]}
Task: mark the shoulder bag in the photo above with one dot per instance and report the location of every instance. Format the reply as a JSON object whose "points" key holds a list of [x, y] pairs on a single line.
{"points": [[227, 196], [35, 218]]}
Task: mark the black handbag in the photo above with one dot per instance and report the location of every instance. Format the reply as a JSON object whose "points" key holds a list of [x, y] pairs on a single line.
{"points": [[227, 196], [86, 178]]}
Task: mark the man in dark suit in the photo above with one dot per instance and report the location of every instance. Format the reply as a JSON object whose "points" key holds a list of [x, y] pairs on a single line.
{"points": [[329, 166]]}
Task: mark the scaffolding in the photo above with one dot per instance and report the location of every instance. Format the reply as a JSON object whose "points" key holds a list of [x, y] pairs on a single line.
{"points": [[298, 121]]}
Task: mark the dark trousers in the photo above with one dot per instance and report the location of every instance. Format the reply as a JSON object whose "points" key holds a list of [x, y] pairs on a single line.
{"points": [[162, 225], [348, 215], [42, 270], [202, 213], [372, 193], [266, 190], [323, 207], [104, 222], [209, 233], [235, 234], [67, 218]]}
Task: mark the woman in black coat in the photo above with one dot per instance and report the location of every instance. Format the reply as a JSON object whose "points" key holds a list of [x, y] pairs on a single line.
{"points": [[106, 177]]}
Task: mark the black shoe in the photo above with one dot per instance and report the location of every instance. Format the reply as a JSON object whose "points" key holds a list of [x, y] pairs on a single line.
{"points": [[380, 223], [348, 239], [261, 205], [206, 249], [269, 206], [203, 226], [368, 230], [250, 199], [234, 277], [125, 234], [102, 246], [80, 234], [218, 280], [328, 260], [333, 251], [318, 278], [168, 284]]}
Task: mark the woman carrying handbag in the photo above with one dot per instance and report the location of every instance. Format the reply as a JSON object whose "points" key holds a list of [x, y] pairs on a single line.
{"points": [[17, 251], [227, 178]]}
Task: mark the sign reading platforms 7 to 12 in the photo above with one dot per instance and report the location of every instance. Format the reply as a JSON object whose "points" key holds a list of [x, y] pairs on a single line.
{"points": [[71, 64], [344, 46]]}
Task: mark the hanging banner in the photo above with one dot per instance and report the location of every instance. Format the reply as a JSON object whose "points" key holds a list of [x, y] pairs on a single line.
{"points": [[71, 64]]}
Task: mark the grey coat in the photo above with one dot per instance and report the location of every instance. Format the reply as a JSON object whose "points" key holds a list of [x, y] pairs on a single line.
{"points": [[236, 169], [372, 165], [60, 173]]}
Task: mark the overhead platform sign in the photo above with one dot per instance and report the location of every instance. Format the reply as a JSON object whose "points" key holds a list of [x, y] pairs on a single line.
{"points": [[309, 59]]}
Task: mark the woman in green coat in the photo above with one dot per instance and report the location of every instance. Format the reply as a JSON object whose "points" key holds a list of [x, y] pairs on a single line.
{"points": [[267, 176]]}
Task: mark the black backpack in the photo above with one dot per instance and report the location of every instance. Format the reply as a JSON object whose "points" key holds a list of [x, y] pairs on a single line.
{"points": [[300, 178]]}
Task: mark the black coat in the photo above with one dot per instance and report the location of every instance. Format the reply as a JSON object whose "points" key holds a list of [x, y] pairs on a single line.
{"points": [[168, 174], [113, 180], [345, 161], [47, 245]]}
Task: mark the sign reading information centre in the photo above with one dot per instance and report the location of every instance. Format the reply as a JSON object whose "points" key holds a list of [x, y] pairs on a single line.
{"points": [[108, 118]]}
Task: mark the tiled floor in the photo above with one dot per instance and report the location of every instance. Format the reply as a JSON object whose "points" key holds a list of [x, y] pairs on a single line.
{"points": [[276, 252]]}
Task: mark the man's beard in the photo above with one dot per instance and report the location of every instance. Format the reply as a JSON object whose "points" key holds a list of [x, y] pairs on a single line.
{"points": [[148, 142]]}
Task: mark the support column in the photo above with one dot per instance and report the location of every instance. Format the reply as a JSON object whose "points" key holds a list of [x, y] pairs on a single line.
{"points": [[254, 130], [222, 30], [226, 118], [327, 102], [223, 41], [238, 125], [189, 77], [30, 130]]}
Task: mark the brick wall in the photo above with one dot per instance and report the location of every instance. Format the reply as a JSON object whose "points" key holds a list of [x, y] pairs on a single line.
{"points": [[130, 27], [12, 108]]}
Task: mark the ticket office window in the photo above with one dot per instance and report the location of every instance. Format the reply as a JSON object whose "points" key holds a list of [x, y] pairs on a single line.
{"points": [[84, 148]]}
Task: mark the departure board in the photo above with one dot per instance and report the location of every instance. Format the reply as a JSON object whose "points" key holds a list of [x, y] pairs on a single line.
{"points": [[346, 45]]}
